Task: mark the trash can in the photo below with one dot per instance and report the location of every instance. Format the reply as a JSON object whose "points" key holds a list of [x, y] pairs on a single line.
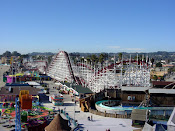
{"points": [[23, 116]]}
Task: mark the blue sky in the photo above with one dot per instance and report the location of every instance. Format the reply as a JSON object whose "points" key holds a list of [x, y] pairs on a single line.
{"points": [[87, 25]]}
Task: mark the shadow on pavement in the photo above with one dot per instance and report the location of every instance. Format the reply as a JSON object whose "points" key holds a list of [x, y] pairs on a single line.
{"points": [[68, 104], [94, 120], [79, 127], [21, 130], [44, 98]]}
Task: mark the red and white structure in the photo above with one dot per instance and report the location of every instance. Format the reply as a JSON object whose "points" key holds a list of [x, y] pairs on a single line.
{"points": [[98, 77], [60, 68], [35, 65]]}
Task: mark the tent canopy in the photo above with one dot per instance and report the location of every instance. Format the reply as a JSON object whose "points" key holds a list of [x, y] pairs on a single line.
{"points": [[57, 124]]}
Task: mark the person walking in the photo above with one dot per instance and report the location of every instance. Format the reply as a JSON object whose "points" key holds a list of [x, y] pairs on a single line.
{"points": [[91, 118]]}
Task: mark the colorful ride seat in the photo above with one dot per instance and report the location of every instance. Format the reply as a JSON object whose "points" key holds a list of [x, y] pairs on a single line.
{"points": [[26, 101], [23, 92]]}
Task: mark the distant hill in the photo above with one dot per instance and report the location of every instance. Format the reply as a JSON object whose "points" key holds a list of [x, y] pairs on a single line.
{"points": [[40, 53], [159, 55]]}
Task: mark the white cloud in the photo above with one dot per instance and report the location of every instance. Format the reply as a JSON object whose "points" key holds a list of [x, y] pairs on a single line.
{"points": [[126, 49], [134, 49], [114, 47]]}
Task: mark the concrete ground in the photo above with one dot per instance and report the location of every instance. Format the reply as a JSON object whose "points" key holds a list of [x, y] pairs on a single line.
{"points": [[3, 68], [99, 123], [171, 77]]}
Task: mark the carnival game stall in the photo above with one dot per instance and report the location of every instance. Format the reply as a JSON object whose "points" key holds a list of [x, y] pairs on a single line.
{"points": [[10, 79], [68, 89], [23, 77], [56, 99]]}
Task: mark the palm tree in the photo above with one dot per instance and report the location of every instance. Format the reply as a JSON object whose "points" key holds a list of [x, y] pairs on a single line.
{"points": [[101, 58], [88, 60], [120, 55], [94, 59], [152, 61], [82, 59]]}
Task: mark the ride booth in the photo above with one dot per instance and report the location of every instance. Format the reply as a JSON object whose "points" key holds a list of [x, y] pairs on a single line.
{"points": [[10, 79], [56, 99], [25, 99]]}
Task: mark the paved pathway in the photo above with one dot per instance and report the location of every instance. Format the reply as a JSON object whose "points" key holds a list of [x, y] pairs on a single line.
{"points": [[171, 77], [99, 123], [3, 68]]}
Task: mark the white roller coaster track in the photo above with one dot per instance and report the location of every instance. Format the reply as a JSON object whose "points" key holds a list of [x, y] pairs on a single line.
{"points": [[99, 77]]}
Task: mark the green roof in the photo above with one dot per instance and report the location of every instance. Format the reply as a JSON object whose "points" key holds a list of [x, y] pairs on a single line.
{"points": [[79, 88], [66, 83]]}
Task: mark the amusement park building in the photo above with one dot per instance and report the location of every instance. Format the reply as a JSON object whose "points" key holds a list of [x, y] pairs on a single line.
{"points": [[9, 93]]}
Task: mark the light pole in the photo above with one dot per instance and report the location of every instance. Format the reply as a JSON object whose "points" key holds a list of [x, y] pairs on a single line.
{"points": [[74, 97], [74, 106], [74, 103]]}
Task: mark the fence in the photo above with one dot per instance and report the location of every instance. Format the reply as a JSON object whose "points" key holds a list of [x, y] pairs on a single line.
{"points": [[96, 112], [71, 120]]}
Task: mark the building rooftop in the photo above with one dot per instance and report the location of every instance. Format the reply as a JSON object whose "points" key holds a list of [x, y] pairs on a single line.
{"points": [[160, 83], [33, 83], [126, 88], [79, 88], [15, 90], [161, 91], [17, 84]]}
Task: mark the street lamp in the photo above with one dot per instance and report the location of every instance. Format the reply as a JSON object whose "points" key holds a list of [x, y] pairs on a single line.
{"points": [[71, 85], [74, 106]]}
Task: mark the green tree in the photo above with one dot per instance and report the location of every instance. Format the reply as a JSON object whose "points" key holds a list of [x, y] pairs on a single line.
{"points": [[15, 53], [94, 59], [49, 59], [120, 55], [88, 60], [105, 56], [7, 54], [162, 78], [152, 61], [155, 77], [144, 59], [158, 64], [101, 58], [25, 56], [171, 69], [33, 57], [82, 59]]}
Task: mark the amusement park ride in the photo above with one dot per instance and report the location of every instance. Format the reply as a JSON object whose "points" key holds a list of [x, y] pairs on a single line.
{"points": [[24, 101], [100, 76], [39, 66]]}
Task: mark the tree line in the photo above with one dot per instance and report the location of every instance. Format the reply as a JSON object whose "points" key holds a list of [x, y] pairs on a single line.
{"points": [[9, 54]]}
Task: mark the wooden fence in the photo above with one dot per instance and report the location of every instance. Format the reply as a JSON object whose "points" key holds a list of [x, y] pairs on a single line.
{"points": [[96, 112]]}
